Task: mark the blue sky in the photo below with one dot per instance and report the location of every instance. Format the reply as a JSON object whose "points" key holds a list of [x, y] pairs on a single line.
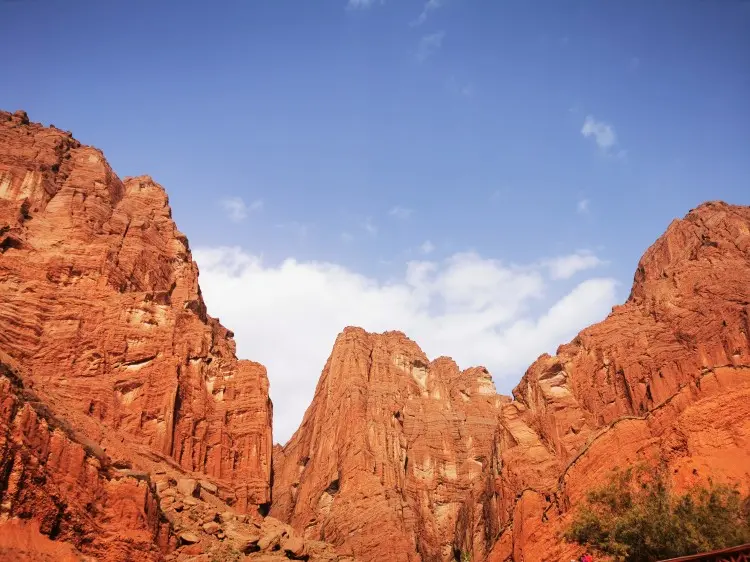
{"points": [[502, 136]]}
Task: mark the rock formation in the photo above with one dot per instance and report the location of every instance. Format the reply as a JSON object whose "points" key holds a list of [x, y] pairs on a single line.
{"points": [[665, 378], [101, 306], [393, 458], [117, 390], [400, 458], [129, 429]]}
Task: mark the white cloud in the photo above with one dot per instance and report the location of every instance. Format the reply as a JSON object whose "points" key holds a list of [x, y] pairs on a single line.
{"points": [[429, 45], [583, 206], [564, 267], [370, 227], [428, 7], [603, 133], [236, 208], [427, 247], [361, 4], [400, 212], [480, 311]]}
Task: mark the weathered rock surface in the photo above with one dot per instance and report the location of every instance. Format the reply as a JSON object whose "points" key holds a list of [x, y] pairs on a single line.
{"points": [[100, 304], [393, 459], [129, 430], [55, 486], [398, 458], [121, 385], [665, 378]]}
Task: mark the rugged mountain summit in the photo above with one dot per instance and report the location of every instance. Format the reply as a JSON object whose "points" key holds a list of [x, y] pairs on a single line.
{"points": [[392, 459], [406, 459], [121, 385], [129, 429], [101, 306], [665, 378]]}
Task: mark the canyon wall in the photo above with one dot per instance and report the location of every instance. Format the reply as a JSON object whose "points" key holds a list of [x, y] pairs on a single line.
{"points": [[101, 305], [406, 459], [128, 428]]}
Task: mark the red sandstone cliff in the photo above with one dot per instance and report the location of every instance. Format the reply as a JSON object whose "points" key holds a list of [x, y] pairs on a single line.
{"points": [[129, 430], [398, 458], [665, 378], [101, 306], [123, 390], [393, 458]]}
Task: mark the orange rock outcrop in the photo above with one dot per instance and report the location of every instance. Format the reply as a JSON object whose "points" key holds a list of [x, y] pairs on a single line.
{"points": [[129, 429], [665, 378], [393, 458], [400, 458], [120, 374], [100, 304]]}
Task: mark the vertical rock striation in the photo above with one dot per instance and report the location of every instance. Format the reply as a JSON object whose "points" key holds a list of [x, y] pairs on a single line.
{"points": [[400, 458], [100, 303], [393, 458]]}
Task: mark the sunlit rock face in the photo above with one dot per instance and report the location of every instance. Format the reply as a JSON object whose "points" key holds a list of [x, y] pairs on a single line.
{"points": [[100, 305], [393, 459], [129, 430], [405, 459]]}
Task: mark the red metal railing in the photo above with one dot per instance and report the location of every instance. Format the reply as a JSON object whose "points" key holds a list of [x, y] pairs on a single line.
{"points": [[735, 554]]}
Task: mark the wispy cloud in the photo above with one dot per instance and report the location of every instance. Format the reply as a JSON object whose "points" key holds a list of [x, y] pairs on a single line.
{"points": [[370, 227], [564, 267], [429, 6], [346, 237], [236, 208], [427, 247], [361, 4], [583, 206], [400, 212], [603, 133], [429, 45]]}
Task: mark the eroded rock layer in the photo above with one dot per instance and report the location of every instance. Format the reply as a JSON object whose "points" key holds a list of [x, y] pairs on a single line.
{"points": [[392, 460], [400, 458], [664, 379], [128, 428], [99, 301], [67, 490]]}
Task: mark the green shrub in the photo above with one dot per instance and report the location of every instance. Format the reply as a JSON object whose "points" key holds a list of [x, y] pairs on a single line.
{"points": [[636, 518]]}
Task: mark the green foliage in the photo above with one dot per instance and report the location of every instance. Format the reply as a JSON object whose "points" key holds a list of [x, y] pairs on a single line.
{"points": [[636, 518], [465, 557]]}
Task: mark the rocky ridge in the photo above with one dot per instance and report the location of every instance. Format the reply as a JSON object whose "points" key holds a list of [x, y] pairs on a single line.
{"points": [[128, 428], [405, 459], [121, 382]]}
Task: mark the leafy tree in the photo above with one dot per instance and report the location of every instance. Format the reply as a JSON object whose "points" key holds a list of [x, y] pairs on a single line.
{"points": [[636, 518]]}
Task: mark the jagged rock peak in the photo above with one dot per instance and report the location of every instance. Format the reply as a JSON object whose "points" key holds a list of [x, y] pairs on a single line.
{"points": [[100, 304]]}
